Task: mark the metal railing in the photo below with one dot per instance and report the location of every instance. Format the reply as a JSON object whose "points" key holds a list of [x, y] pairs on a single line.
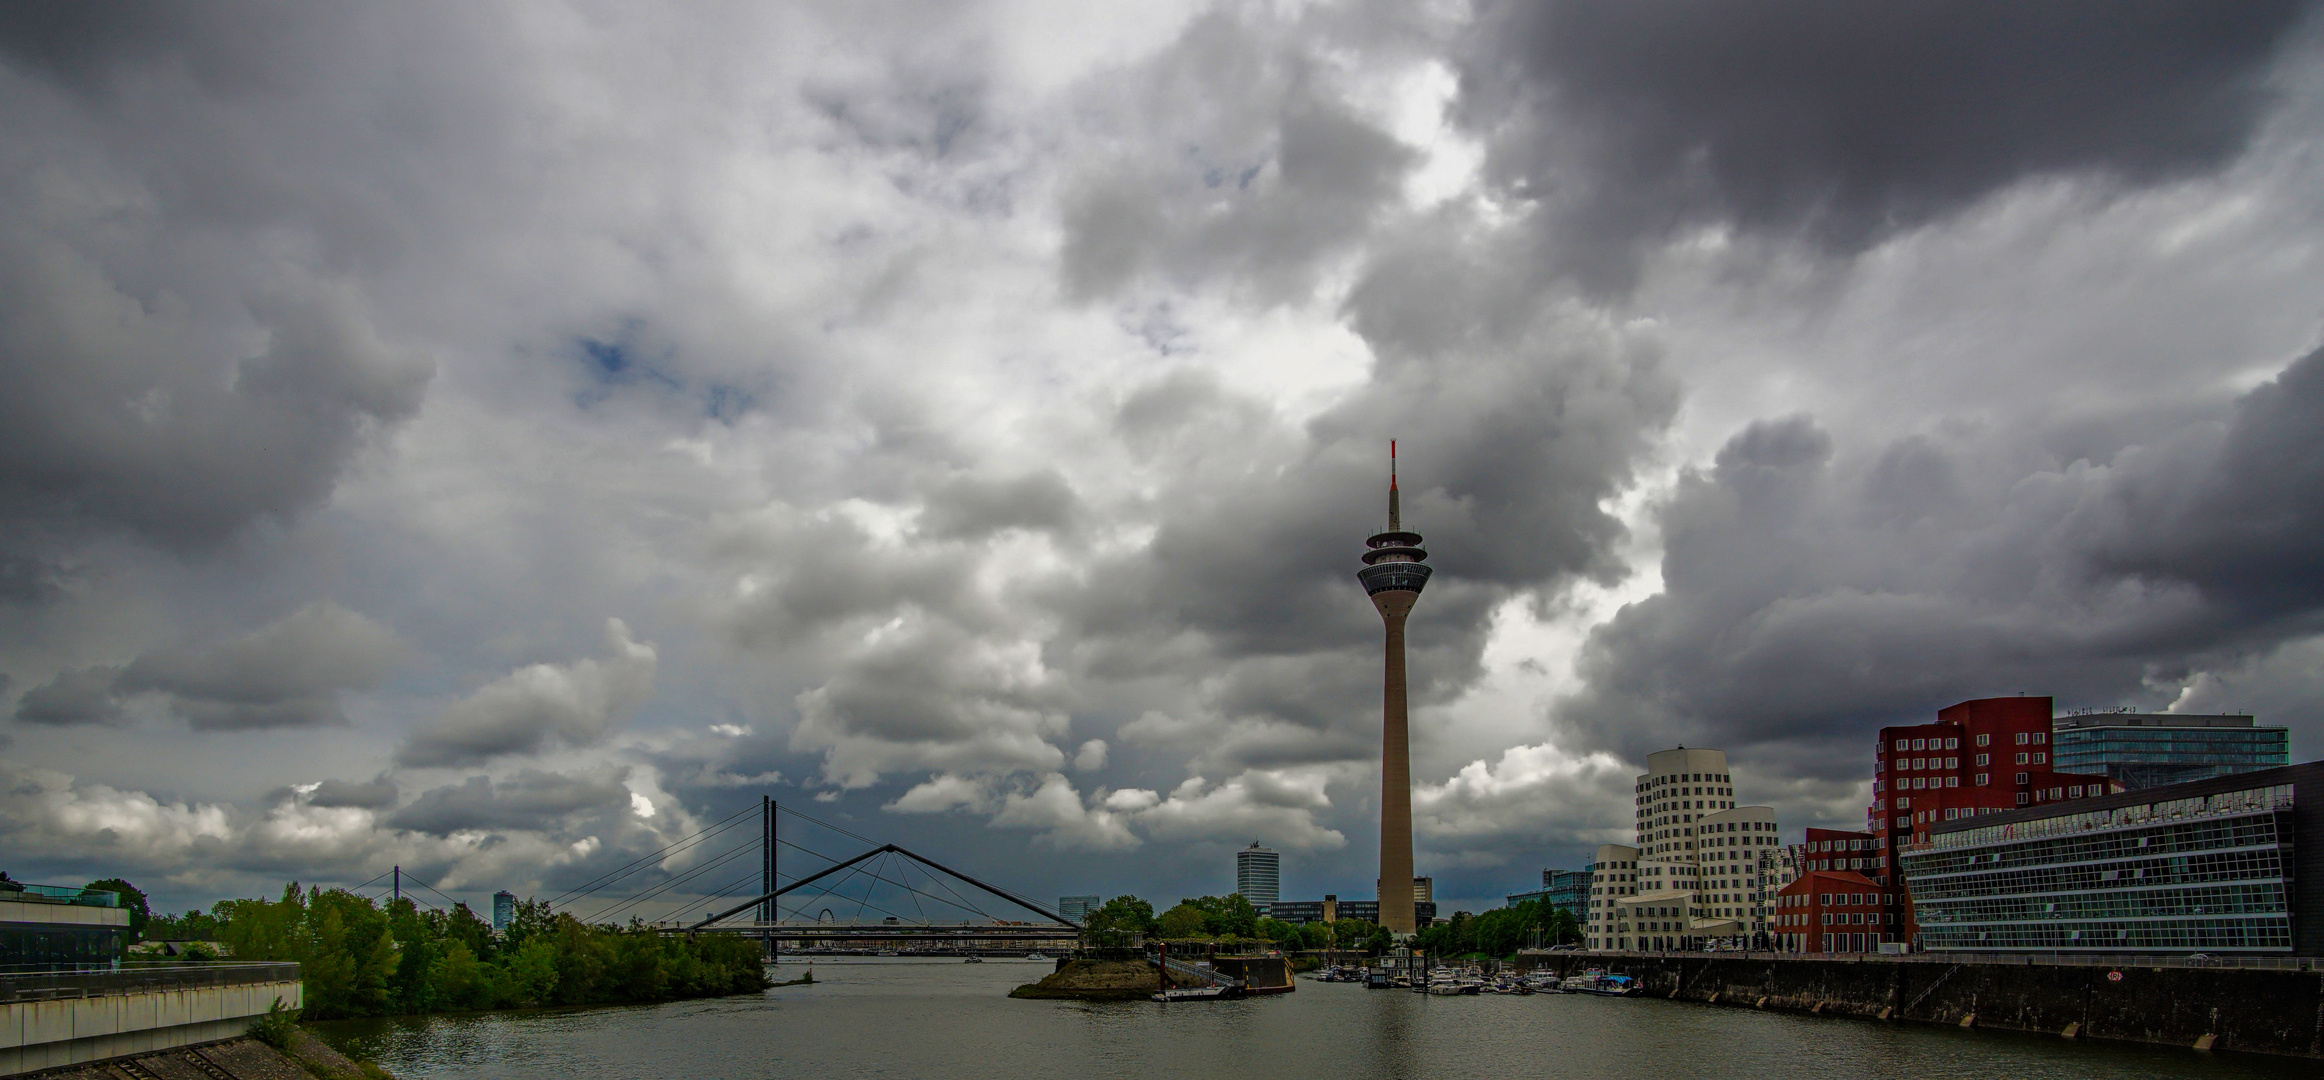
{"points": [[138, 979], [58, 894], [1212, 976]]}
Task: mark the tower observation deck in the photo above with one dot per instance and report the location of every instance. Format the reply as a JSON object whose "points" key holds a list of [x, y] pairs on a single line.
{"points": [[1395, 570]]}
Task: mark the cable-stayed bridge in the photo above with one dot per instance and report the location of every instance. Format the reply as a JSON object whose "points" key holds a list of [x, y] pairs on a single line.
{"points": [[798, 889]]}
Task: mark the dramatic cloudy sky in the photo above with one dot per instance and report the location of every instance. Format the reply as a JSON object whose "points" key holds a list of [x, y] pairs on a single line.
{"points": [[497, 439]]}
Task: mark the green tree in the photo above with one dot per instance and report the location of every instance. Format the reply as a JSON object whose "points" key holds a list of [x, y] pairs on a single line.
{"points": [[1126, 914], [263, 929], [1184, 921], [133, 899], [1359, 935], [1226, 916]]}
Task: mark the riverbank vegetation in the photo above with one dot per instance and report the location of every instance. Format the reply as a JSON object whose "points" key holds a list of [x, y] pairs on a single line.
{"points": [[1226, 921], [359, 957], [1499, 933], [1232, 922]]}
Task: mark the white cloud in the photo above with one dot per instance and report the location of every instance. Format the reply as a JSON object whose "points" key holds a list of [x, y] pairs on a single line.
{"points": [[541, 705]]}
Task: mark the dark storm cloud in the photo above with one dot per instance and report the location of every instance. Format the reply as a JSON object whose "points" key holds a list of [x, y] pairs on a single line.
{"points": [[378, 793], [974, 509], [225, 46], [1846, 121], [2242, 520], [81, 696], [1268, 175], [539, 707], [178, 365], [286, 674], [530, 800], [1807, 599]]}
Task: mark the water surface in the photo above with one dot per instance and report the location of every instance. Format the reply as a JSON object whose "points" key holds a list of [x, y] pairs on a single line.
{"points": [[927, 1018]]}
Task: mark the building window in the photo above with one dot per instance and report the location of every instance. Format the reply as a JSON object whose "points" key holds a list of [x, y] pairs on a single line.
{"points": [[1984, 760], [2021, 738], [1984, 778], [1984, 740], [2041, 759], [2022, 757]]}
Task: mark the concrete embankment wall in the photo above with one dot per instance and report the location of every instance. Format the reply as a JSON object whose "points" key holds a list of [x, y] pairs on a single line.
{"points": [[2272, 1012], [68, 1031], [1263, 973]]}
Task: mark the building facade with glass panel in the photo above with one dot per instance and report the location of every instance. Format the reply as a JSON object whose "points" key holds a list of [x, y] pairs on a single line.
{"points": [[2144, 750], [1259, 875], [59, 927], [2231, 864]]}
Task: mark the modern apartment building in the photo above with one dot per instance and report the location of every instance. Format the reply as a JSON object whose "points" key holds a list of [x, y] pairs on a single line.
{"points": [[2144, 750], [1849, 866], [1835, 911], [1259, 875], [1981, 757], [2230, 864], [1692, 838], [1077, 908]]}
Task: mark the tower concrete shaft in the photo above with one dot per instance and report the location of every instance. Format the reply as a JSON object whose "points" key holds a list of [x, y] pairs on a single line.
{"points": [[1396, 903], [1394, 573]]}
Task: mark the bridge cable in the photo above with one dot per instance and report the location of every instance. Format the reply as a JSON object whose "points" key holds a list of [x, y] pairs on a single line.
{"points": [[602, 913], [658, 889], [607, 878], [898, 884]]}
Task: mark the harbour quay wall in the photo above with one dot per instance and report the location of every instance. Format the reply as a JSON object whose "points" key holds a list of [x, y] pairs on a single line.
{"points": [[2257, 1010], [53, 1020], [1263, 974]]}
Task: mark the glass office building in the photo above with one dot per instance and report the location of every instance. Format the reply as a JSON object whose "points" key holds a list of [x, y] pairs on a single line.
{"points": [[2216, 866], [2146, 750], [1077, 908], [1568, 889], [1259, 875], [59, 927]]}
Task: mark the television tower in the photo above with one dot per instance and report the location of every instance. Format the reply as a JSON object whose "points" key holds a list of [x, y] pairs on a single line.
{"points": [[1393, 576]]}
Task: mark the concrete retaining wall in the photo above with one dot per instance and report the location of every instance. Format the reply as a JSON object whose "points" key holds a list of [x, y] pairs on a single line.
{"points": [[1265, 974], [68, 1031], [2271, 1012]]}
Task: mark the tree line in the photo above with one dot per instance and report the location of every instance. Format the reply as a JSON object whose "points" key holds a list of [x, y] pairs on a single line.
{"points": [[360, 957], [1233, 920]]}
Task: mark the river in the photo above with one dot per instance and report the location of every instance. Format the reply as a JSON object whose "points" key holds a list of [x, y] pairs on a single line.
{"points": [[926, 1018]]}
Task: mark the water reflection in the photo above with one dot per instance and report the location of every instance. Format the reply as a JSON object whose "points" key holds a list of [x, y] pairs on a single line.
{"points": [[911, 1018]]}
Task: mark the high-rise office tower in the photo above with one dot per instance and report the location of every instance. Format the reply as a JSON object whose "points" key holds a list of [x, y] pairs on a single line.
{"points": [[1259, 875], [1077, 908], [503, 909], [2144, 750], [1394, 573]]}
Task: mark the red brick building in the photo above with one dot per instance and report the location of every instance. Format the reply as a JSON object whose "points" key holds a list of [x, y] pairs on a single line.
{"points": [[1979, 757], [1836, 911]]}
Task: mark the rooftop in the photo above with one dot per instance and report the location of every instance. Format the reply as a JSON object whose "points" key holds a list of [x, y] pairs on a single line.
{"points": [[2157, 720]]}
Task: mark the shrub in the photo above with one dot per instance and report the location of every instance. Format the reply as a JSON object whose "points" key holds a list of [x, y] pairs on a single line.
{"points": [[277, 1027]]}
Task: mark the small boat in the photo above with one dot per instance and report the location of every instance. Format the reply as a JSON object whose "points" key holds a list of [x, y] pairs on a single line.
{"points": [[972, 959], [1200, 993], [1601, 984], [1036, 955]]}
